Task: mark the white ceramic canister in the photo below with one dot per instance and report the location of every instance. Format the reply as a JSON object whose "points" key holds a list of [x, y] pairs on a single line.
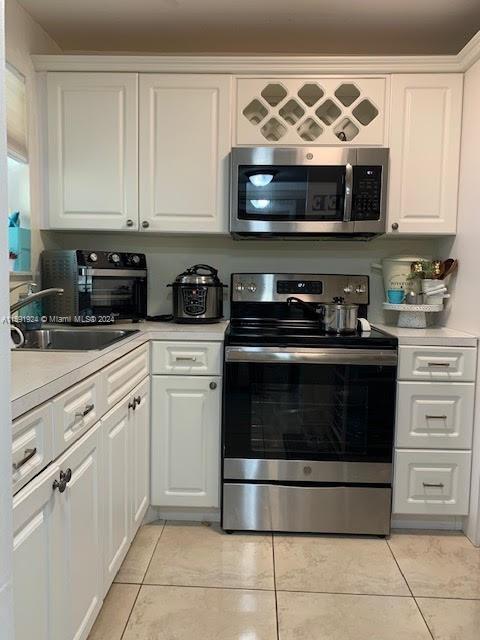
{"points": [[396, 270], [429, 285]]}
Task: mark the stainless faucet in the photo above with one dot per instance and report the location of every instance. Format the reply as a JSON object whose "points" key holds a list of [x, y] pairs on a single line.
{"points": [[34, 296]]}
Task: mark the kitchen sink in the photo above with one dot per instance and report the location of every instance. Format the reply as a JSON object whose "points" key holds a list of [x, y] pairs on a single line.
{"points": [[65, 339]]}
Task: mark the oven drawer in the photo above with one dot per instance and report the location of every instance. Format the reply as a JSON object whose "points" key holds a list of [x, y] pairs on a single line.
{"points": [[124, 374], [32, 445], [435, 415], [76, 410], [340, 509], [187, 358], [437, 363], [432, 482]]}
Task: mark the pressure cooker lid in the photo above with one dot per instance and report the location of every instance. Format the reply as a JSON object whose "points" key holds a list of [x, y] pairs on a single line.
{"points": [[199, 274]]}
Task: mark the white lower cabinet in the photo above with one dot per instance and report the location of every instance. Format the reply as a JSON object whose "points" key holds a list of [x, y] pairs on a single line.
{"points": [[435, 415], [57, 547], [116, 516], [126, 475], [432, 482], [140, 454], [186, 440], [69, 544], [77, 565], [34, 557]]}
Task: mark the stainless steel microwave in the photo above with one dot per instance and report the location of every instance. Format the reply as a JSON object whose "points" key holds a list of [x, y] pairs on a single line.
{"points": [[308, 192]]}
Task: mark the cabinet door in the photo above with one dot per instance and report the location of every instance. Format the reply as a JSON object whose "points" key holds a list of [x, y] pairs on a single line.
{"points": [[184, 150], [185, 441], [140, 454], [92, 150], [78, 574], [425, 127], [34, 559], [116, 488]]}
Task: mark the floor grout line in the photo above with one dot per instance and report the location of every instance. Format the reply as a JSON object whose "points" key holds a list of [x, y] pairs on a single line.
{"points": [[275, 587], [140, 585], [154, 550], [410, 589], [131, 611], [203, 586]]}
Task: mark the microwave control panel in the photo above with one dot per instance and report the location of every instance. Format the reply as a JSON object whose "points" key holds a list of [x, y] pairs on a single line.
{"points": [[367, 183]]}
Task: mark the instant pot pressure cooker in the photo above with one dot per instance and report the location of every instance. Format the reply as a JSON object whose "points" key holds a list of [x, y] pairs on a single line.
{"points": [[198, 295]]}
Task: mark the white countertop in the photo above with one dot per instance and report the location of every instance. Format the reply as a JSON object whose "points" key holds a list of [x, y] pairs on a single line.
{"points": [[38, 376], [431, 336]]}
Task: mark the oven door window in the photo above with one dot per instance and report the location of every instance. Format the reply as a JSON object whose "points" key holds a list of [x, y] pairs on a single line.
{"points": [[291, 193], [110, 295], [309, 412]]}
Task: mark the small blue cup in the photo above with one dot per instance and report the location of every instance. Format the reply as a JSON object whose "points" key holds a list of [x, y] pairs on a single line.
{"points": [[395, 296]]}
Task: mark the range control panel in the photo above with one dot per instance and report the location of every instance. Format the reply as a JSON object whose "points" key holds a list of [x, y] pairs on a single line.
{"points": [[277, 287]]}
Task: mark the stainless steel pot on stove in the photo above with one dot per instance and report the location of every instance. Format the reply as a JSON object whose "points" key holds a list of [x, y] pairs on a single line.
{"points": [[334, 317]]}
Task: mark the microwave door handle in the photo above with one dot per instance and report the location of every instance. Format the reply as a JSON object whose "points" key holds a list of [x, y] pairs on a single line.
{"points": [[347, 205]]}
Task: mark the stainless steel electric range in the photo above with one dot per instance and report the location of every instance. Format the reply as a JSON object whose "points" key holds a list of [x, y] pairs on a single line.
{"points": [[308, 418]]}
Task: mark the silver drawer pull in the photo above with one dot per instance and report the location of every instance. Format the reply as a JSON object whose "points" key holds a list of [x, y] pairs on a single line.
{"points": [[438, 485], [435, 417], [192, 358], [438, 364], [29, 453], [85, 412]]}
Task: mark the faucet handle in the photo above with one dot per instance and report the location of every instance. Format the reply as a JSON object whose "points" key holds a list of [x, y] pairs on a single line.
{"points": [[31, 285]]}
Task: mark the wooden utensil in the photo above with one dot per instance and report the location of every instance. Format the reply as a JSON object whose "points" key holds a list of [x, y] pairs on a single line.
{"points": [[450, 266]]}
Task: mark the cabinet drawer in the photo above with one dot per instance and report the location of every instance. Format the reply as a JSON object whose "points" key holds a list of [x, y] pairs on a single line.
{"points": [[124, 374], [187, 358], [32, 444], [432, 482], [437, 363], [76, 410], [435, 415]]}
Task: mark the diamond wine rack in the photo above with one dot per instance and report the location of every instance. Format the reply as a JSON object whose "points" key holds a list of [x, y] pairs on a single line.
{"points": [[303, 111]]}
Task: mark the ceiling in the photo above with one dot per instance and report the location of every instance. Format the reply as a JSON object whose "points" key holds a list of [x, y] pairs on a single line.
{"points": [[259, 26]]}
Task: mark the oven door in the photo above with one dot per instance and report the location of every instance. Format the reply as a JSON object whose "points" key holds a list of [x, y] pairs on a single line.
{"points": [[333, 408], [292, 190], [118, 293]]}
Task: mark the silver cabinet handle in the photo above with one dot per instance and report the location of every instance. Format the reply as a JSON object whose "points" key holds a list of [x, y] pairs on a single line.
{"points": [[138, 400], [213, 385], [438, 364], [394, 226], [129, 223], [145, 224], [435, 417], [85, 412], [192, 358], [131, 405], [28, 455], [439, 485]]}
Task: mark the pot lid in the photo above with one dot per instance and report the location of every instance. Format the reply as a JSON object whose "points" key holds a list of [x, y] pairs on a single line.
{"points": [[193, 275]]}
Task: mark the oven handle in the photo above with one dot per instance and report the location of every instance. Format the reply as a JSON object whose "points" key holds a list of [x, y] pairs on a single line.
{"points": [[123, 273], [312, 356]]}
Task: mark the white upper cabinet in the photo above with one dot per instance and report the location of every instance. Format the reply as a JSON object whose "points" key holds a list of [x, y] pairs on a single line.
{"points": [[425, 127], [311, 111], [185, 143], [92, 151]]}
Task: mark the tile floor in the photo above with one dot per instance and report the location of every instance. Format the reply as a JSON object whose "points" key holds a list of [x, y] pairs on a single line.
{"points": [[183, 581]]}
